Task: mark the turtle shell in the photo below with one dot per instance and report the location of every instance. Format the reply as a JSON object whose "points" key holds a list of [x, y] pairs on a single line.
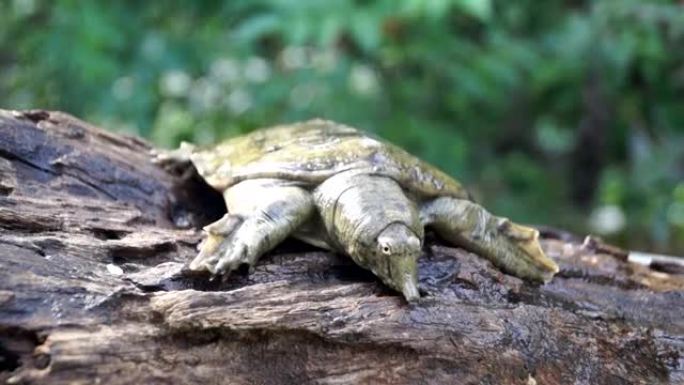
{"points": [[313, 151]]}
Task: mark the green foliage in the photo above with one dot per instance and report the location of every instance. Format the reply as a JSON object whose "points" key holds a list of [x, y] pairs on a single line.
{"points": [[524, 101]]}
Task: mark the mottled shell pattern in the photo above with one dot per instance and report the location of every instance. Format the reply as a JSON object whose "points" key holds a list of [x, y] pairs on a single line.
{"points": [[312, 151]]}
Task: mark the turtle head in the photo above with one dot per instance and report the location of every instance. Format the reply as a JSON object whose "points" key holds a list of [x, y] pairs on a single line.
{"points": [[394, 259]]}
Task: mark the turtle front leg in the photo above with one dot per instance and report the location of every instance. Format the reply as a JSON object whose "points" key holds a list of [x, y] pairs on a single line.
{"points": [[262, 213], [512, 247]]}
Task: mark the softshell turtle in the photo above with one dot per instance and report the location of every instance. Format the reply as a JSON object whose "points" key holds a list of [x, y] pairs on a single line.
{"points": [[341, 189]]}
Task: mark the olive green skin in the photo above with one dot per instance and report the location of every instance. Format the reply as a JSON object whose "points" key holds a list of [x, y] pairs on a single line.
{"points": [[338, 188]]}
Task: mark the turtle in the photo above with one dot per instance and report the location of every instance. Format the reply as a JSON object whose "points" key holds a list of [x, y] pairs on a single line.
{"points": [[342, 189]]}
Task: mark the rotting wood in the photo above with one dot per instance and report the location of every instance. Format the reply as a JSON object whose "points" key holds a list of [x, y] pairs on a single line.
{"points": [[92, 290]]}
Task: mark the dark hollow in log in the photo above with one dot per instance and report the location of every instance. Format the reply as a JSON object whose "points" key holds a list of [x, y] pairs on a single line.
{"points": [[93, 239]]}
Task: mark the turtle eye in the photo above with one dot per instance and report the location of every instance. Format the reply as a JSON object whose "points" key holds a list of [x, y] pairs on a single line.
{"points": [[386, 249]]}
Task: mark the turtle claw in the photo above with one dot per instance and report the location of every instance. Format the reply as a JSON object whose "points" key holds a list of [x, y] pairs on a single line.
{"points": [[222, 251], [232, 260], [227, 258], [264, 218]]}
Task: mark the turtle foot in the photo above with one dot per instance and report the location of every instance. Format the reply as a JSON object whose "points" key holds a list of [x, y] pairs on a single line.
{"points": [[222, 250]]}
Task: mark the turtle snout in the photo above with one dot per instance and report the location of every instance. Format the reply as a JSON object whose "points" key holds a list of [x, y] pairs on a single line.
{"points": [[398, 252], [403, 275]]}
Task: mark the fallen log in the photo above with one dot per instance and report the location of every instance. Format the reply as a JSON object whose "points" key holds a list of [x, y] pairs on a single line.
{"points": [[94, 237]]}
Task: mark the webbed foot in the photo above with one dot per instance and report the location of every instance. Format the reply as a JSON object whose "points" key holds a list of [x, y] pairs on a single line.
{"points": [[263, 214], [219, 252], [512, 247]]}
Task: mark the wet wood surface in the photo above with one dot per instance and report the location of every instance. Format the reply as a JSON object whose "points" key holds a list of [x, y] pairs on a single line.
{"points": [[94, 237]]}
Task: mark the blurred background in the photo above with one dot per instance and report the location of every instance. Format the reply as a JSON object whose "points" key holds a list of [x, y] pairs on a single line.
{"points": [[565, 113]]}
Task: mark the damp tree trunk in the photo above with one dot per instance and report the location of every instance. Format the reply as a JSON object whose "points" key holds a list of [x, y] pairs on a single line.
{"points": [[94, 237]]}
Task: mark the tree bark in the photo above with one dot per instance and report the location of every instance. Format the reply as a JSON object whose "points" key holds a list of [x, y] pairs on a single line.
{"points": [[94, 237]]}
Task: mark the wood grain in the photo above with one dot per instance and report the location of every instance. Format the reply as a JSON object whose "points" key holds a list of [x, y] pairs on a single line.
{"points": [[93, 290]]}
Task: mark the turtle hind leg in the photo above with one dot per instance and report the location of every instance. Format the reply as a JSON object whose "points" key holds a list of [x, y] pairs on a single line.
{"points": [[262, 213], [512, 247]]}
